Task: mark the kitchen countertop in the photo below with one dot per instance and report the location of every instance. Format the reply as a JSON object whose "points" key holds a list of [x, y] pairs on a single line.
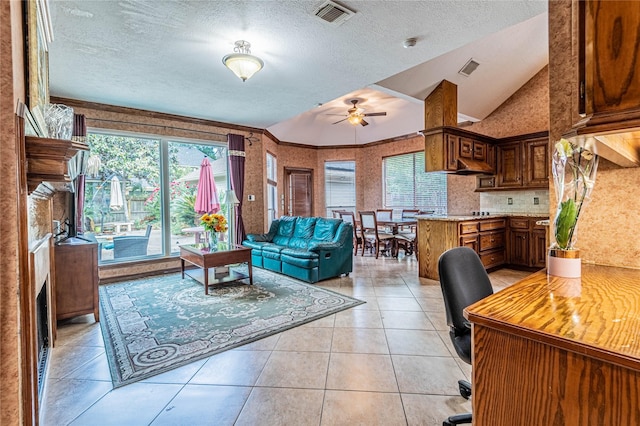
{"points": [[462, 218]]}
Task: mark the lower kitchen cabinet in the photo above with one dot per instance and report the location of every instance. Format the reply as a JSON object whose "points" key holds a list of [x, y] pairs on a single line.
{"points": [[527, 242], [487, 238]]}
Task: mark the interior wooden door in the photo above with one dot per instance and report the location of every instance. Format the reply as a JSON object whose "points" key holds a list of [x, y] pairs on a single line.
{"points": [[300, 194]]}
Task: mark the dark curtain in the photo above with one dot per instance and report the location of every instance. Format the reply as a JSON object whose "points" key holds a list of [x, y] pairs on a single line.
{"points": [[79, 134], [236, 167], [79, 204]]}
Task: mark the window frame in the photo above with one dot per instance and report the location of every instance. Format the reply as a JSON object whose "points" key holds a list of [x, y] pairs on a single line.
{"points": [[164, 142]]}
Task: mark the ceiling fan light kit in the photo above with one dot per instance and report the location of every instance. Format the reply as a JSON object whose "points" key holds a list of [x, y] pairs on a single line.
{"points": [[355, 115], [242, 63]]}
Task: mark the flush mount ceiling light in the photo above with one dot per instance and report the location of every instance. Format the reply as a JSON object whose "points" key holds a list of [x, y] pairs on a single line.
{"points": [[242, 62]]}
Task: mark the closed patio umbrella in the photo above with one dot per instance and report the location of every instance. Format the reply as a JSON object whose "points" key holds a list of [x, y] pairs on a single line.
{"points": [[207, 196], [117, 200]]}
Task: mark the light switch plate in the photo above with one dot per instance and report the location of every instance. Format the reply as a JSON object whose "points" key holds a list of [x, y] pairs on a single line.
{"points": [[536, 200], [510, 201], [251, 197]]}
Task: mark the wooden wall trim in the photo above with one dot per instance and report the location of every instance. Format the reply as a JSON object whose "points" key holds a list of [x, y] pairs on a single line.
{"points": [[76, 103]]}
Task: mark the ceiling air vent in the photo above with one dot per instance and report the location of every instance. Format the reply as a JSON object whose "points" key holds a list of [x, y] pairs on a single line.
{"points": [[468, 68], [333, 13]]}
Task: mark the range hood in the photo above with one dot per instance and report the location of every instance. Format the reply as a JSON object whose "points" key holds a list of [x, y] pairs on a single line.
{"points": [[449, 148], [467, 166]]}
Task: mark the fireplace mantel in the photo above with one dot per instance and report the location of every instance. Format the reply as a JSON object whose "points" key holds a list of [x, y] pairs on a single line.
{"points": [[48, 164]]}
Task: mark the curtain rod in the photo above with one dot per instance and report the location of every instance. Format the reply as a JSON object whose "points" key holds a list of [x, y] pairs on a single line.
{"points": [[251, 138]]}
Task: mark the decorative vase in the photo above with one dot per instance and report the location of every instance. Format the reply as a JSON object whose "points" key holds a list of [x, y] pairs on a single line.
{"points": [[564, 263], [213, 240]]}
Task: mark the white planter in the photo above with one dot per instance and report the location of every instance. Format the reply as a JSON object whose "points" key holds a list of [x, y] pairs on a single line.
{"points": [[564, 263]]}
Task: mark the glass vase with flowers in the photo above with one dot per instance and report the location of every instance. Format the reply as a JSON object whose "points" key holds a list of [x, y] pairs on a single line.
{"points": [[213, 224]]}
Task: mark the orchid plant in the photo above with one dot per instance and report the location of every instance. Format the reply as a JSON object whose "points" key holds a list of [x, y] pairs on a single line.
{"points": [[574, 175]]}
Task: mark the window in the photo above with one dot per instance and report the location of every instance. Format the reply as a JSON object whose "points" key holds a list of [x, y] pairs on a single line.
{"points": [[144, 188], [340, 186], [407, 185], [272, 189]]}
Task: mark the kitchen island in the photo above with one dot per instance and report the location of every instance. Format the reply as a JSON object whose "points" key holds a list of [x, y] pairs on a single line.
{"points": [[559, 351], [488, 235]]}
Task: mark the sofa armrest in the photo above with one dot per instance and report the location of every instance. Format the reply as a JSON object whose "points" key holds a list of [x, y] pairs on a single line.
{"points": [[268, 237], [258, 237], [317, 246]]}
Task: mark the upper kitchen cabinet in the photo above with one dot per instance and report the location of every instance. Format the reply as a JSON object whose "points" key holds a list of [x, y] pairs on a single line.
{"points": [[609, 80], [522, 163], [452, 149], [609, 64], [447, 147]]}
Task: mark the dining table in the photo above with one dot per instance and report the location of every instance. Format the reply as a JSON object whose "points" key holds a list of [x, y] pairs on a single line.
{"points": [[395, 224]]}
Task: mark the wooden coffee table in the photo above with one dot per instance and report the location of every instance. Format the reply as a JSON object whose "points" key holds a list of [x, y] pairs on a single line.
{"points": [[204, 258]]}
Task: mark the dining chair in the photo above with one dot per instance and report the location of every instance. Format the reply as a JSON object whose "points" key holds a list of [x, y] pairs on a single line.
{"points": [[385, 215], [381, 241], [349, 217]]}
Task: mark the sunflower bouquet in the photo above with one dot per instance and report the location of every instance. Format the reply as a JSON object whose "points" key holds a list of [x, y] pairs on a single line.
{"points": [[214, 222]]}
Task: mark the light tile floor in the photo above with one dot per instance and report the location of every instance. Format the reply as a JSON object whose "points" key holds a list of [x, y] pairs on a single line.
{"points": [[386, 362]]}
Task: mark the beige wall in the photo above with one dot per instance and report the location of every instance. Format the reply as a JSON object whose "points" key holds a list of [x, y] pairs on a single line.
{"points": [[12, 252], [608, 224], [526, 111]]}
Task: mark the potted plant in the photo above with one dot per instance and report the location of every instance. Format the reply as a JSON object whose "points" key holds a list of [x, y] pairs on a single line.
{"points": [[574, 174]]}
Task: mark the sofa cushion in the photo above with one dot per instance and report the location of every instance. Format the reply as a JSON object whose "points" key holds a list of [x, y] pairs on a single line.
{"points": [[272, 248], [304, 227], [299, 261], [285, 230], [271, 255], [255, 245], [303, 254], [286, 226], [325, 229]]}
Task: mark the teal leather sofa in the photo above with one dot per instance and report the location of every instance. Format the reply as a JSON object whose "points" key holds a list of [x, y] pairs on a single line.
{"points": [[307, 248]]}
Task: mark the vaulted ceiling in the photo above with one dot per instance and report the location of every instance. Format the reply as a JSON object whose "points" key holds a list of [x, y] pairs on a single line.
{"points": [[166, 56]]}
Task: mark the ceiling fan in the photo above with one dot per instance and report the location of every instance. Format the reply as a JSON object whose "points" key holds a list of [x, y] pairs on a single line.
{"points": [[356, 115]]}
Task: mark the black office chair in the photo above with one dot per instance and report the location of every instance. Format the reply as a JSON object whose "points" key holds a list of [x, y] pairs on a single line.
{"points": [[463, 281]]}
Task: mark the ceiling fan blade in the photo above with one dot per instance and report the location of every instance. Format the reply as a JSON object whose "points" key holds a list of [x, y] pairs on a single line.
{"points": [[363, 123], [374, 114], [339, 121]]}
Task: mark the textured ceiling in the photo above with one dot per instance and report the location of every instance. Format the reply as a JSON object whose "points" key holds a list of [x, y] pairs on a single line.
{"points": [[166, 56]]}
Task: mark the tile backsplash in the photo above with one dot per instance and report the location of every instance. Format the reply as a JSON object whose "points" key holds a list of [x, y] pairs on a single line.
{"points": [[529, 201]]}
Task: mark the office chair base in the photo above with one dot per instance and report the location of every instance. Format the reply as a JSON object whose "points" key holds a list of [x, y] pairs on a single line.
{"points": [[458, 419], [465, 388]]}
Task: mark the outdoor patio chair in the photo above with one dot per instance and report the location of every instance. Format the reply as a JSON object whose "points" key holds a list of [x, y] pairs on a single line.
{"points": [[131, 245]]}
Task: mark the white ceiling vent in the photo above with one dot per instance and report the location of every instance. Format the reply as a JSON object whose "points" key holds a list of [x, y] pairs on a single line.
{"points": [[468, 68], [333, 13]]}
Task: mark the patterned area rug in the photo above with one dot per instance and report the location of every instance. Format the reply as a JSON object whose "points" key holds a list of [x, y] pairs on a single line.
{"points": [[156, 324]]}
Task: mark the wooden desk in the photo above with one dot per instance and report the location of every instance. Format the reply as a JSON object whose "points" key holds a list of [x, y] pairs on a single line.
{"points": [[557, 351]]}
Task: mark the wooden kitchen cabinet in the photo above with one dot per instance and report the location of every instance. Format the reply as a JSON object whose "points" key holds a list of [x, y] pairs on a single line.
{"points": [[537, 164], [527, 242], [487, 238], [509, 165], [446, 148], [522, 163], [608, 86], [76, 279], [608, 65]]}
